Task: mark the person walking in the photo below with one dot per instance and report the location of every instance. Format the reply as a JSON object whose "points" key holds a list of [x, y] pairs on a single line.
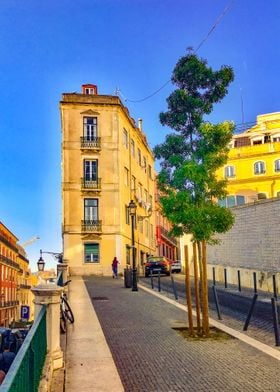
{"points": [[115, 267]]}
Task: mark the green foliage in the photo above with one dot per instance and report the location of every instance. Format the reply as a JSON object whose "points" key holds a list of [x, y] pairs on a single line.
{"points": [[191, 156]]}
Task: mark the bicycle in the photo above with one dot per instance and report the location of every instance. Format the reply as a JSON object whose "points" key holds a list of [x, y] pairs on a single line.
{"points": [[65, 310]]}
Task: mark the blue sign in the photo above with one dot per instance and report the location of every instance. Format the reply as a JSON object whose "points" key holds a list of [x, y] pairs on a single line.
{"points": [[25, 312]]}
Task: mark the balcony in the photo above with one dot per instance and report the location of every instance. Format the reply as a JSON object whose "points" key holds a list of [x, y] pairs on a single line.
{"points": [[24, 286], [166, 235], [8, 304], [91, 226], [91, 185], [5, 260], [93, 143]]}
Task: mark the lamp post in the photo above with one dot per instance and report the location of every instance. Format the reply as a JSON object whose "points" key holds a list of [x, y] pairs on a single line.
{"points": [[132, 212], [41, 263]]}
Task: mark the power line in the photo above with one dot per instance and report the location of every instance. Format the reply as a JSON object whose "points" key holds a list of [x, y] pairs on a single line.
{"points": [[199, 46]]}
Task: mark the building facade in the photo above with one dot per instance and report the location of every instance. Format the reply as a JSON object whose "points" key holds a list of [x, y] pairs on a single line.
{"points": [[15, 278], [253, 167], [106, 162], [167, 245]]}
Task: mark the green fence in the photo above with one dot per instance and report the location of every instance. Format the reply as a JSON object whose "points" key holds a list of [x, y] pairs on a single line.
{"points": [[25, 372]]}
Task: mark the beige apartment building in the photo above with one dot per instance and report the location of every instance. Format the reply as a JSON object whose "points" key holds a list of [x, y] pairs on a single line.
{"points": [[106, 162]]}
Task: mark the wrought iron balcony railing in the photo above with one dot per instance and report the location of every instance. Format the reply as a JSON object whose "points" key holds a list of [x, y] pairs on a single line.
{"points": [[165, 233], [92, 143], [91, 184], [8, 304], [92, 226], [9, 262]]}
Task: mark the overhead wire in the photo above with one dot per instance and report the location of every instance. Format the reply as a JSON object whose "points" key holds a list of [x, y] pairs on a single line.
{"points": [[217, 21]]}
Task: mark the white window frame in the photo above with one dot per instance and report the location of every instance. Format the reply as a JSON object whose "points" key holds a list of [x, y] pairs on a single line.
{"points": [[125, 138], [229, 171], [257, 168], [277, 165]]}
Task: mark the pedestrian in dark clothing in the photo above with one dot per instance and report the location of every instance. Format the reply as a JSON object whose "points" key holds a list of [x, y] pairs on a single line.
{"points": [[6, 358], [115, 267]]}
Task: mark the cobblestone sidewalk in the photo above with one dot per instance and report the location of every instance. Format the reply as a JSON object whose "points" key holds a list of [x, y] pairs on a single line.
{"points": [[152, 357]]}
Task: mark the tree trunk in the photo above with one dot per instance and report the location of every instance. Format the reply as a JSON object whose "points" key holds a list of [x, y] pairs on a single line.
{"points": [[188, 290], [199, 254], [196, 288], [205, 315]]}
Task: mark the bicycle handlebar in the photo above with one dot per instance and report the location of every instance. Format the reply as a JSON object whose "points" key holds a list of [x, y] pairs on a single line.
{"points": [[67, 282]]}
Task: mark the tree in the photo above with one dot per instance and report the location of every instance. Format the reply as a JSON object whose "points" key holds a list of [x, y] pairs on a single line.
{"points": [[190, 157]]}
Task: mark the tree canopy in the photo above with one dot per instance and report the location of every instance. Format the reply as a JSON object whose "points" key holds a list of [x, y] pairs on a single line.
{"points": [[190, 156]]}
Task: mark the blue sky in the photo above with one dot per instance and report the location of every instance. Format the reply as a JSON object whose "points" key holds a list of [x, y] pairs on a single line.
{"points": [[51, 47]]}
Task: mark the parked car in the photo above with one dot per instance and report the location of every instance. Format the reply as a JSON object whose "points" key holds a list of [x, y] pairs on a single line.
{"points": [[176, 266], [156, 264]]}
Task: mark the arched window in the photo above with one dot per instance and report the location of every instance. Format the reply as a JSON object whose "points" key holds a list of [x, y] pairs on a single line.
{"points": [[229, 171], [259, 167], [277, 165]]}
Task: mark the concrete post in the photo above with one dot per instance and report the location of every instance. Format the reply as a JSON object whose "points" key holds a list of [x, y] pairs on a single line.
{"points": [[64, 268], [49, 294]]}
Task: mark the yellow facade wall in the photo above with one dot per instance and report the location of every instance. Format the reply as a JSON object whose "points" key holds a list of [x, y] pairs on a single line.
{"points": [[116, 166]]}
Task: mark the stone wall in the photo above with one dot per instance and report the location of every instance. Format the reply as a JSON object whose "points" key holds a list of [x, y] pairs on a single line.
{"points": [[254, 240]]}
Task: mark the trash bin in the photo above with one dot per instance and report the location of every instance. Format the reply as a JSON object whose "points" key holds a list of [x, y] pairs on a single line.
{"points": [[127, 278]]}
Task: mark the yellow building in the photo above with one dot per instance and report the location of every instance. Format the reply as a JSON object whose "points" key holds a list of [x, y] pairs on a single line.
{"points": [[253, 167], [106, 162]]}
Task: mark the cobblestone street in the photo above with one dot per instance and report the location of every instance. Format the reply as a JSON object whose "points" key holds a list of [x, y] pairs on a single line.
{"points": [[151, 356]]}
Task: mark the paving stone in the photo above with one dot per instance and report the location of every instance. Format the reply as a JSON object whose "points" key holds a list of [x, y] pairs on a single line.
{"points": [[152, 357]]}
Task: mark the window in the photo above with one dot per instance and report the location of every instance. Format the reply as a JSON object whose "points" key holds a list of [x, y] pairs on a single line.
{"points": [[89, 91], [91, 252], [90, 128], [90, 170], [126, 172], [277, 165], [232, 200], [278, 194], [127, 216], [125, 138], [259, 167], [91, 209], [140, 191], [132, 145], [133, 183], [145, 164], [146, 228], [145, 196], [276, 139], [127, 254], [150, 171], [141, 226], [229, 171], [139, 156]]}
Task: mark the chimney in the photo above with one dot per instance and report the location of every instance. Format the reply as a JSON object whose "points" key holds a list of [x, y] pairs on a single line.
{"points": [[140, 121], [89, 89]]}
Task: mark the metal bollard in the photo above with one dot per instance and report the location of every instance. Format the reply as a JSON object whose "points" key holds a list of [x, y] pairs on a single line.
{"points": [[274, 286], [247, 322], [239, 280], [214, 276], [217, 302], [225, 275], [275, 321], [174, 287], [159, 288], [255, 281]]}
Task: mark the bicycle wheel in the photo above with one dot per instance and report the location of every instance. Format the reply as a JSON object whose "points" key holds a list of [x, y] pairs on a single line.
{"points": [[62, 321], [67, 311]]}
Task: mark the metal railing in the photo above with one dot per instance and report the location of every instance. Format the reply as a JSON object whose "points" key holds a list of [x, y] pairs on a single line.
{"points": [[8, 304], [25, 371], [9, 262], [165, 233], [91, 184], [91, 143], [91, 225]]}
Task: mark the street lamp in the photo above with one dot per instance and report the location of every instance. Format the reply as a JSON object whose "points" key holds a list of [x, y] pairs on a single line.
{"points": [[41, 263], [132, 212]]}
